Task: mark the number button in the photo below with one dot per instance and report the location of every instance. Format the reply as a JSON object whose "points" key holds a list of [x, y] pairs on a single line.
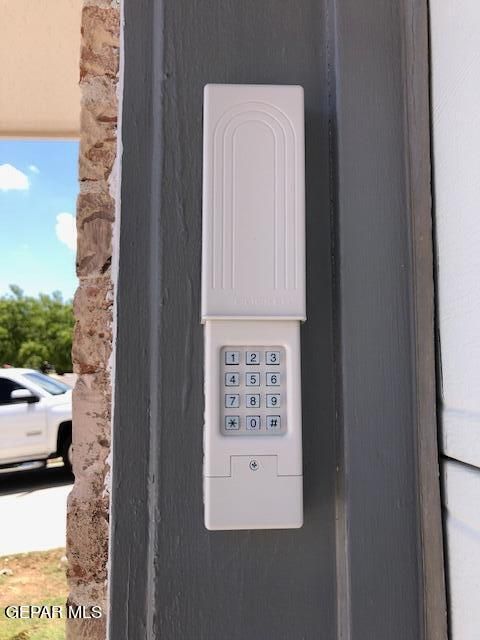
{"points": [[253, 357], [253, 400], [273, 400], [273, 423], [273, 357], [253, 423], [232, 379], [232, 400], [252, 379], [232, 423], [232, 357], [273, 379]]}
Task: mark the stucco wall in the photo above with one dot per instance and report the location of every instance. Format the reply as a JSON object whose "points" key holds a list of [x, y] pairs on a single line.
{"points": [[455, 72], [39, 53], [88, 504]]}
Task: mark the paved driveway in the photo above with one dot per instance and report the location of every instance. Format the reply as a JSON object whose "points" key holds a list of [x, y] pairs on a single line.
{"points": [[33, 509]]}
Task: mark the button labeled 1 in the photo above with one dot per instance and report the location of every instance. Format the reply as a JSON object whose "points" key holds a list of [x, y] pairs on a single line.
{"points": [[232, 357]]}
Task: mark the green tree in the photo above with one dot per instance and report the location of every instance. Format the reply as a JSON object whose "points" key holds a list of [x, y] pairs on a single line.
{"points": [[34, 330]]}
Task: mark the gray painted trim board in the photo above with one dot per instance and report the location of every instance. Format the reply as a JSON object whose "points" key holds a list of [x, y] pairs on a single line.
{"points": [[360, 566]]}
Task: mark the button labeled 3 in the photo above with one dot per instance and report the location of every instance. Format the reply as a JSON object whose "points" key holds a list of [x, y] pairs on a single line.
{"points": [[273, 357]]}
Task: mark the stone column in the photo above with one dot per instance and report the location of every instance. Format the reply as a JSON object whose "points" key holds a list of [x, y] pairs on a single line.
{"points": [[88, 503]]}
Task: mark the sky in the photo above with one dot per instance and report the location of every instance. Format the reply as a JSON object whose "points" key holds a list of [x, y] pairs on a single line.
{"points": [[38, 190]]}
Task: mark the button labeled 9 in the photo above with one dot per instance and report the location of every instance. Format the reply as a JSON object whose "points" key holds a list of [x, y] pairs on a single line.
{"points": [[273, 400]]}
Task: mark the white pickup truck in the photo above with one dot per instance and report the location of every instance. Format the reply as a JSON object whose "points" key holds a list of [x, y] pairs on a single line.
{"points": [[35, 419]]}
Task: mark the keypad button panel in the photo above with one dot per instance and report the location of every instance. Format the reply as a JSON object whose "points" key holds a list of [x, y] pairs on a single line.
{"points": [[253, 390]]}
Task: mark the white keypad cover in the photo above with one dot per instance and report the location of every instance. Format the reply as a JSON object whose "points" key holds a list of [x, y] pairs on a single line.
{"points": [[253, 390]]}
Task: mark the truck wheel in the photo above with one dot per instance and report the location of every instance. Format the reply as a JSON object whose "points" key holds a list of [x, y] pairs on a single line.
{"points": [[67, 452]]}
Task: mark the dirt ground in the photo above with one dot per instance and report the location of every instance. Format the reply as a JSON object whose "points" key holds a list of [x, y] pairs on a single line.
{"points": [[32, 578]]}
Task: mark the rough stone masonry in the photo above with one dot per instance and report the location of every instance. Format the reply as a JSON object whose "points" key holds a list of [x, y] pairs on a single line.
{"points": [[88, 504]]}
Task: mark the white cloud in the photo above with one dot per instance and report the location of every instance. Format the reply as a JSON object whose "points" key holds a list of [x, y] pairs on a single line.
{"points": [[66, 230], [33, 168], [11, 178]]}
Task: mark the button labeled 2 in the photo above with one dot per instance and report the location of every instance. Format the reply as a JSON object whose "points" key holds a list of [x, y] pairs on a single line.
{"points": [[252, 379], [253, 357]]}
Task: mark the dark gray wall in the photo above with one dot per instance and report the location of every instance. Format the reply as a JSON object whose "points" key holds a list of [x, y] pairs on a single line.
{"points": [[355, 569], [374, 281], [181, 581], [390, 519]]}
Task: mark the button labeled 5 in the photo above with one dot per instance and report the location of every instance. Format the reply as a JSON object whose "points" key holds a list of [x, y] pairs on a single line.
{"points": [[252, 379]]}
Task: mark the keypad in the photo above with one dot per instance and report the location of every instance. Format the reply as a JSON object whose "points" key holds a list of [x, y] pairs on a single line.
{"points": [[253, 390]]}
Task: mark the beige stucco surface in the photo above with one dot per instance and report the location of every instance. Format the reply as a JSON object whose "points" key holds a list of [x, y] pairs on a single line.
{"points": [[39, 68]]}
